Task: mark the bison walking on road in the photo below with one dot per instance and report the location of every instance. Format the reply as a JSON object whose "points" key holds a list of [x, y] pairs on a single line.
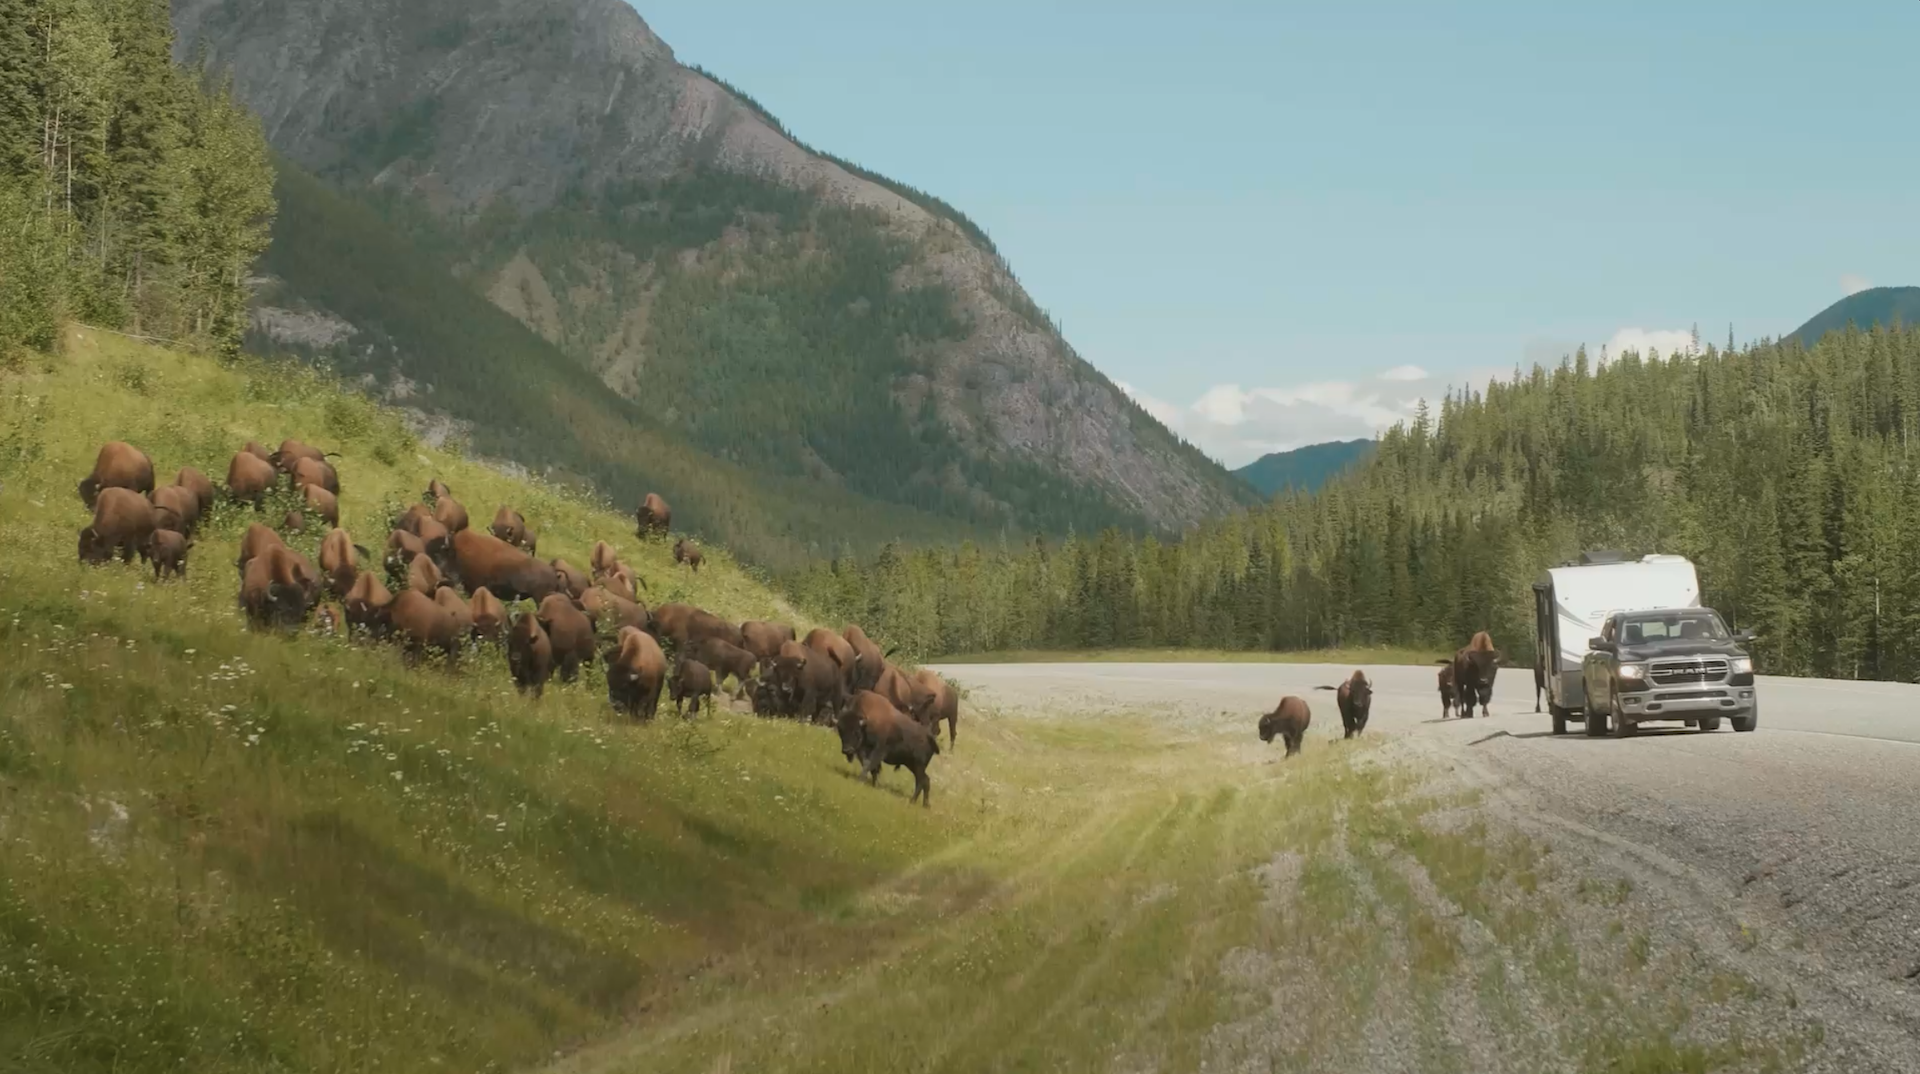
{"points": [[1355, 700], [1474, 668], [1288, 721]]}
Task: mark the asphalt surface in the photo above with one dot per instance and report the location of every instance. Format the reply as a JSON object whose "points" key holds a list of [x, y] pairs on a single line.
{"points": [[1802, 838]]}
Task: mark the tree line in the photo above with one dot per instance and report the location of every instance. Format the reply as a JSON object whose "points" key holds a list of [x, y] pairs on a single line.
{"points": [[1789, 475], [132, 194]]}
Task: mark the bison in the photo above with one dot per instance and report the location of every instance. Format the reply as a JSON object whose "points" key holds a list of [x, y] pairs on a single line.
{"points": [[938, 701], [423, 623], [249, 478], [436, 491], [197, 483], [609, 611], [339, 561], [123, 520], [764, 639], [168, 551], [570, 631], [1474, 668], [572, 579], [255, 542], [652, 517], [489, 615], [423, 576], [1448, 695], [868, 660], [822, 640], [692, 681], [456, 608], [480, 559], [314, 472], [253, 448], [1355, 699], [725, 659], [366, 605], [119, 465], [1289, 721], [529, 654], [685, 551], [894, 685], [684, 624], [510, 526], [290, 454], [402, 546], [322, 503], [293, 522], [277, 587], [448, 512], [888, 737], [602, 560], [636, 671]]}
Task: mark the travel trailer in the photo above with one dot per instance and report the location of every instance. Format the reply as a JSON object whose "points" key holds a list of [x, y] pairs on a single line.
{"points": [[1572, 603]]}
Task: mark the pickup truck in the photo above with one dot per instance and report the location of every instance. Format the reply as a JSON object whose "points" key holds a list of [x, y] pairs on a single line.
{"points": [[1680, 664]]}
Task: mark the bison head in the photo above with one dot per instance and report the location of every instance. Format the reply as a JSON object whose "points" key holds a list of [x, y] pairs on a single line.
{"points": [[89, 490], [92, 549]]}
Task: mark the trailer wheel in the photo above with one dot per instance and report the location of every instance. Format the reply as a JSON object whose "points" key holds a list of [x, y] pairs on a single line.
{"points": [[1560, 716]]}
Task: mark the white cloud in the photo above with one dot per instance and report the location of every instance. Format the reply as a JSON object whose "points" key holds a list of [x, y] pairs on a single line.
{"points": [[1237, 425], [1646, 340], [1853, 283]]}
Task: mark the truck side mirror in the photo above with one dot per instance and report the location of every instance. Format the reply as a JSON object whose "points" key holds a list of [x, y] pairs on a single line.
{"points": [[1597, 645]]}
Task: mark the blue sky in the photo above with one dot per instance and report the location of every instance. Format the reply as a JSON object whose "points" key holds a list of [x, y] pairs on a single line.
{"points": [[1249, 213]]}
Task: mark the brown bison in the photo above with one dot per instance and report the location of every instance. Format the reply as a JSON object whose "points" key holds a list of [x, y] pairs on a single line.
{"points": [[572, 578], [290, 454], [510, 526], [1474, 668], [529, 654], [423, 576], [570, 631], [322, 503], [253, 448], [175, 508], [123, 520], [168, 551], [457, 609], [726, 660], [938, 701], [489, 615], [804, 683], [249, 478], [692, 681], [602, 560], [196, 482], [622, 582], [822, 640], [293, 522], [1355, 699], [402, 546], [1448, 695], [255, 542], [339, 561], [1289, 721], [313, 472], [480, 559], [610, 611], [685, 551], [448, 512], [119, 465], [277, 587], [885, 736], [436, 491], [764, 639], [423, 623], [868, 660], [894, 685], [366, 605], [653, 516], [684, 624], [636, 671]]}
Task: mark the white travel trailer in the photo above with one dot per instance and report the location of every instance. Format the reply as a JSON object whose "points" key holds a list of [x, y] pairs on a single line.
{"points": [[1571, 604]]}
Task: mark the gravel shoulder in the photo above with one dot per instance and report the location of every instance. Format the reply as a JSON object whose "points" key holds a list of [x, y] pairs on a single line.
{"points": [[1785, 859]]}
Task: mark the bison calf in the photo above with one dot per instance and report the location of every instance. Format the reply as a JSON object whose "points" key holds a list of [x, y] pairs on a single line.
{"points": [[168, 551], [1289, 722], [693, 681], [529, 654]]}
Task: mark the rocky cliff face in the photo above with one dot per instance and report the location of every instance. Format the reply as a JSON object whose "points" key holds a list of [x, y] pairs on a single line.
{"points": [[546, 134]]}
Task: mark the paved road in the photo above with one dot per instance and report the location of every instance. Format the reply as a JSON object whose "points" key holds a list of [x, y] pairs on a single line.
{"points": [[1807, 830]]}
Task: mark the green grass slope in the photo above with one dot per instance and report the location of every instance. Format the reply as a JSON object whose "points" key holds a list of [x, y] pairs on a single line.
{"points": [[1864, 309], [227, 851], [528, 402], [1305, 469]]}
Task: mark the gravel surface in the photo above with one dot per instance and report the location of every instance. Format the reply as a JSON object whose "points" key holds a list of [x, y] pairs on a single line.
{"points": [[1792, 852]]}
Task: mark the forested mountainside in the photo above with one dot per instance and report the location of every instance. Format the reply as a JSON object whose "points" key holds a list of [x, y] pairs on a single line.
{"points": [[1305, 469], [1862, 310], [770, 305], [1790, 476], [132, 194]]}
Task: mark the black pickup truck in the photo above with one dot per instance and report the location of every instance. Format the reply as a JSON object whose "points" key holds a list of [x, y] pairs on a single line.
{"points": [[1681, 664]]}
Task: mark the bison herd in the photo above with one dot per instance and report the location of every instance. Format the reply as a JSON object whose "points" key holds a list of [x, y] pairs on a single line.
{"points": [[442, 586], [1466, 678]]}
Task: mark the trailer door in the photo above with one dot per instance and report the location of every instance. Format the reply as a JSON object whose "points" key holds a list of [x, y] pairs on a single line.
{"points": [[1546, 643]]}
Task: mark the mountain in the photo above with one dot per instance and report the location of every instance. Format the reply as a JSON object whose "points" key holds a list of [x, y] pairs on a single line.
{"points": [[1305, 469], [1864, 309], [763, 303]]}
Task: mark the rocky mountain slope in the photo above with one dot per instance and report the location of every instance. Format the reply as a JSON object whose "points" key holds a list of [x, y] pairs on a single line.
{"points": [[775, 307]]}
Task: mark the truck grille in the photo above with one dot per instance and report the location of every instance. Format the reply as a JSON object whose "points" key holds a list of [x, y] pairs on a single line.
{"points": [[1683, 672]]}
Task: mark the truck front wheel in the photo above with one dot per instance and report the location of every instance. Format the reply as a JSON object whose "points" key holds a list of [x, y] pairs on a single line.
{"points": [[1596, 722], [1748, 722], [1622, 727]]}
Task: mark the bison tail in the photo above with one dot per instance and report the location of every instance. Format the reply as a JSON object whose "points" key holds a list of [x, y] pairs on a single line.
{"points": [[1326, 688]]}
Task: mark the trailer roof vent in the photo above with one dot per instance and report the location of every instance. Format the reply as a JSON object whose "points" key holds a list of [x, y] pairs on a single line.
{"points": [[1588, 559]]}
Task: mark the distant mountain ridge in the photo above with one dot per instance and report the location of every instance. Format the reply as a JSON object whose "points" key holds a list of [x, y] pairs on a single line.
{"points": [[1304, 469], [768, 305], [1863, 309]]}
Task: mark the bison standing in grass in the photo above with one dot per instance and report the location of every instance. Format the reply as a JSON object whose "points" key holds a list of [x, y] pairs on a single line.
{"points": [[119, 465], [692, 681], [1288, 721], [653, 517], [1355, 699], [529, 654], [168, 551], [123, 521], [876, 733], [636, 672]]}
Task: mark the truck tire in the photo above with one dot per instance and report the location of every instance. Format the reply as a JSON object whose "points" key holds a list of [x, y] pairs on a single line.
{"points": [[1748, 722], [1622, 727], [1709, 723], [1596, 723]]}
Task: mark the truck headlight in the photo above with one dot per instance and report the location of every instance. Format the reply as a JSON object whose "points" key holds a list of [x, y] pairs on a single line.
{"points": [[1632, 671], [1742, 665]]}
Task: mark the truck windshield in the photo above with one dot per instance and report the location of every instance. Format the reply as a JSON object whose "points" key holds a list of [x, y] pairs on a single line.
{"points": [[1673, 626]]}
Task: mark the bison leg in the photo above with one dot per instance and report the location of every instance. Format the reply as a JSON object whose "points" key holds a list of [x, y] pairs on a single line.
{"points": [[922, 789]]}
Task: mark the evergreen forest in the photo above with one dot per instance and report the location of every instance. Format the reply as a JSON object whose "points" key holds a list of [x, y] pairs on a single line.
{"points": [[1790, 476], [133, 195]]}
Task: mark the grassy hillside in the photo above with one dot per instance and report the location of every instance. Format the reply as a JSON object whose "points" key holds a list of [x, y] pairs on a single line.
{"points": [[1887, 306], [1304, 469], [461, 356]]}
